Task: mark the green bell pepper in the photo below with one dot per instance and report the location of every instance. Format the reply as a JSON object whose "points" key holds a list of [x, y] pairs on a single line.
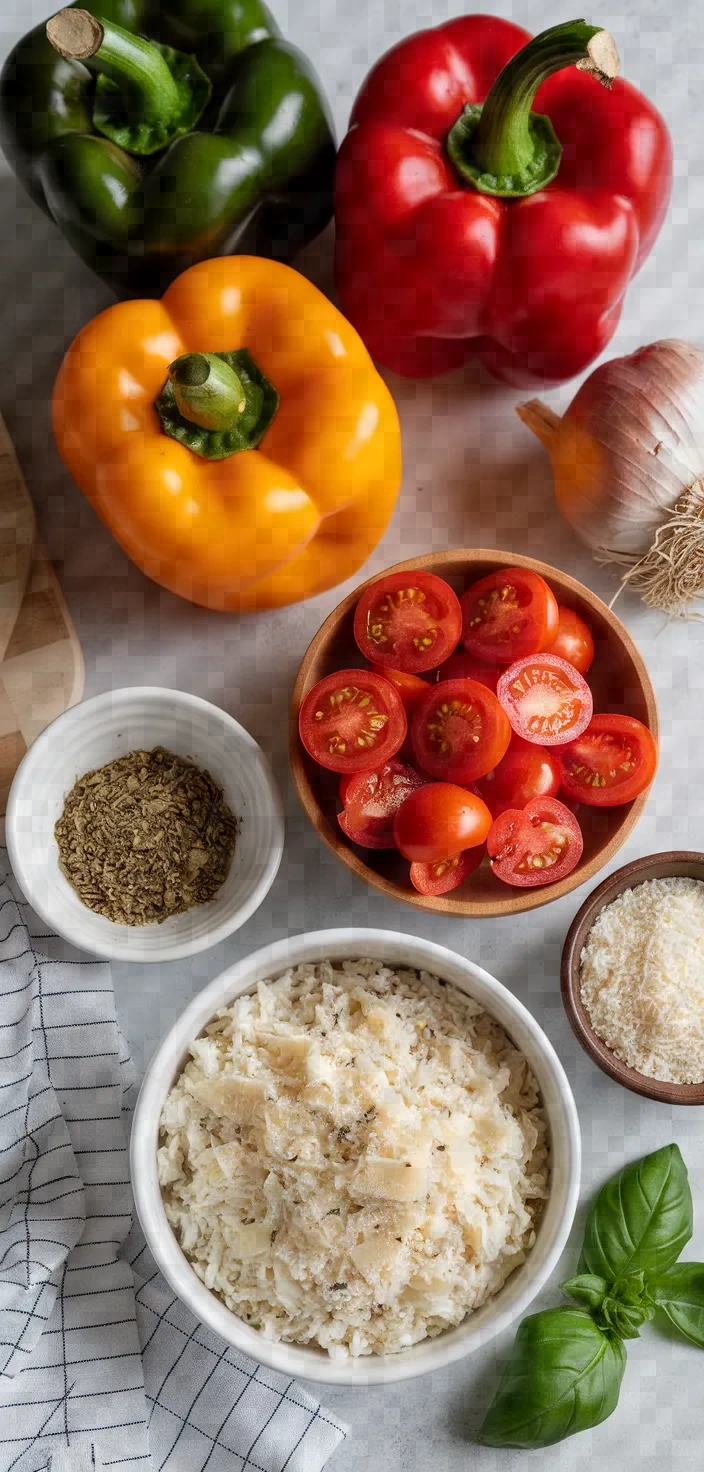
{"points": [[157, 135]]}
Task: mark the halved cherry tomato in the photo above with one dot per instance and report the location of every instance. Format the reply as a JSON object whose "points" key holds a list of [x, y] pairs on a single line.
{"points": [[574, 640], [463, 666], [439, 820], [525, 772], [410, 621], [539, 845], [446, 874], [352, 721], [410, 687], [459, 731], [612, 762], [372, 800], [507, 615], [546, 699]]}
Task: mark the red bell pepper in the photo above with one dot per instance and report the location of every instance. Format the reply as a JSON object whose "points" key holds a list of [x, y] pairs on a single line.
{"points": [[493, 200]]}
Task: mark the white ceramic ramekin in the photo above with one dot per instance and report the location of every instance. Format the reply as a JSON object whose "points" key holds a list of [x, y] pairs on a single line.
{"points": [[96, 732], [521, 1287]]}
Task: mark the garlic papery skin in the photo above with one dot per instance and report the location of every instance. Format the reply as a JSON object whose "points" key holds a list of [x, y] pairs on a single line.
{"points": [[628, 465]]}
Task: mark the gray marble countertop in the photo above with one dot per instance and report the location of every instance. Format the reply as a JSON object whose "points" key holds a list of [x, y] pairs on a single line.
{"points": [[473, 477]]}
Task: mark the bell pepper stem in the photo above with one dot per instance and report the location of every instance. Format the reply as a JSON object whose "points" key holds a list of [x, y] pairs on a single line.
{"points": [[502, 143], [138, 68], [207, 391], [503, 147], [216, 404]]}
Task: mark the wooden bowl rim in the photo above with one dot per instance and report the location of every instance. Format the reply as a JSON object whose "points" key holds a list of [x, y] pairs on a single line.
{"points": [[516, 901], [652, 866]]}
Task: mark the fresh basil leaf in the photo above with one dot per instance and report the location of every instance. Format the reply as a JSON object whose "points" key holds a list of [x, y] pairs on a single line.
{"points": [[680, 1292], [642, 1220], [563, 1375], [586, 1288]]}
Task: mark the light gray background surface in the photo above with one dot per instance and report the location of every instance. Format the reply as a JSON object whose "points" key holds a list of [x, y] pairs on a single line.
{"points": [[474, 477]]}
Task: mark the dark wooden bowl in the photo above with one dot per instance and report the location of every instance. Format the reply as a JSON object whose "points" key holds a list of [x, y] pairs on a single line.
{"points": [[656, 866], [619, 680]]}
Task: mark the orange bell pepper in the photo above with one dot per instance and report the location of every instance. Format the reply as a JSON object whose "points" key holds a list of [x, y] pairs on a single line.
{"points": [[261, 527]]}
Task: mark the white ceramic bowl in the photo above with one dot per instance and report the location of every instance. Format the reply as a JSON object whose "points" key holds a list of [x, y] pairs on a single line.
{"points": [[109, 726], [522, 1286]]}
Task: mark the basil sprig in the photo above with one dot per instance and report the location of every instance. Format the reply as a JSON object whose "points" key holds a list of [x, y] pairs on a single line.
{"points": [[565, 1369]]}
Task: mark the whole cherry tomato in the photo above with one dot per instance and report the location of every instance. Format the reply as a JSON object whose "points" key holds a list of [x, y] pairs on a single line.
{"points": [[463, 666], [525, 772], [439, 820], [574, 640], [410, 687]]}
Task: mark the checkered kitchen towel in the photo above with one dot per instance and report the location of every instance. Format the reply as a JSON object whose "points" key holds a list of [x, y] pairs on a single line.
{"points": [[100, 1365]]}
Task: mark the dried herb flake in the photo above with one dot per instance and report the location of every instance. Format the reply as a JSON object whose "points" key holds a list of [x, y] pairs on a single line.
{"points": [[146, 837]]}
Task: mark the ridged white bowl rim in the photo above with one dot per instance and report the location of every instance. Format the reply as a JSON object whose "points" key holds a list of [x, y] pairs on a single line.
{"points": [[71, 720], [480, 1328]]}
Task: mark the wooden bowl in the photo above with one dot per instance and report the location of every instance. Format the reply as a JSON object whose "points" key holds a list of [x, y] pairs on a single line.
{"points": [[656, 866], [619, 681]]}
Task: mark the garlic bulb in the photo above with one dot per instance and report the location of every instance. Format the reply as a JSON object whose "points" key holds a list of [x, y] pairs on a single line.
{"points": [[628, 466]]}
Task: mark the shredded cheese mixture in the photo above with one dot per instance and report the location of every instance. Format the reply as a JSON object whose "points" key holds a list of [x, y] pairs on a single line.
{"points": [[642, 978], [354, 1158]]}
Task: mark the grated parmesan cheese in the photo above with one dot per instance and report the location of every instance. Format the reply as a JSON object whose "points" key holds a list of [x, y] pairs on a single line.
{"points": [[642, 978], [354, 1157]]}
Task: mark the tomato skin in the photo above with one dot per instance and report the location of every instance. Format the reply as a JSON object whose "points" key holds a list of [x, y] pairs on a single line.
{"points": [[330, 729], [466, 719], [345, 781], [546, 699], [446, 874], [525, 772], [569, 802], [439, 820], [418, 619], [508, 615], [520, 842], [611, 763], [372, 800], [574, 640], [410, 687], [463, 666]]}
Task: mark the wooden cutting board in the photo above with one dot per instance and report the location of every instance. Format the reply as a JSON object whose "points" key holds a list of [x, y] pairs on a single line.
{"points": [[41, 664], [18, 533]]}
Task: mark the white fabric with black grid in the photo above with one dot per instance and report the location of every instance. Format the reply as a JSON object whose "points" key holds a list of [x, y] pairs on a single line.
{"points": [[100, 1365]]}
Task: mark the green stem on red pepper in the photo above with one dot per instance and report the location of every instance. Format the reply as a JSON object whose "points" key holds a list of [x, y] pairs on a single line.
{"points": [[216, 404], [146, 94], [501, 146]]}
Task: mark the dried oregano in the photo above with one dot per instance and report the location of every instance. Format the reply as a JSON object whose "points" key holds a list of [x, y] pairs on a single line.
{"points": [[146, 837]]}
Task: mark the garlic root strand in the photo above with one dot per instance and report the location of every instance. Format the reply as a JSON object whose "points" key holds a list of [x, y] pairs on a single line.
{"points": [[671, 573]]}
